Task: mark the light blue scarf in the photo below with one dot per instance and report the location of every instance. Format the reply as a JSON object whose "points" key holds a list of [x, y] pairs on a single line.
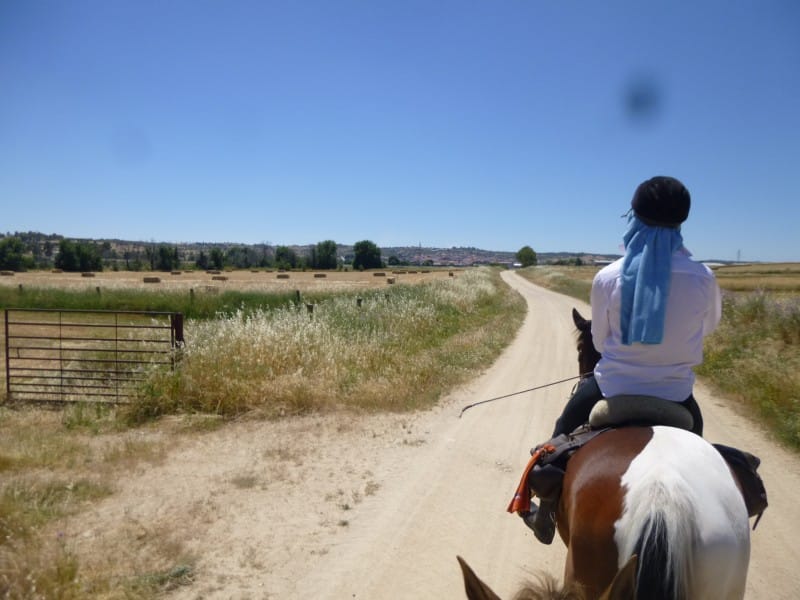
{"points": [[646, 272]]}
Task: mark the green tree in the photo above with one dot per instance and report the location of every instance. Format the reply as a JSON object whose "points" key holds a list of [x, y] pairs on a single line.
{"points": [[202, 261], [367, 255], [12, 254], [526, 256], [285, 257], [217, 258], [324, 255], [78, 256], [241, 257], [167, 258]]}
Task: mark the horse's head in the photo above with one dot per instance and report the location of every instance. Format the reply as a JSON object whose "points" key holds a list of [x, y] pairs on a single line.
{"points": [[623, 587], [587, 354]]}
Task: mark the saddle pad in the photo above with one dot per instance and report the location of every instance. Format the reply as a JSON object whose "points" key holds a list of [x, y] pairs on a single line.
{"points": [[618, 410]]}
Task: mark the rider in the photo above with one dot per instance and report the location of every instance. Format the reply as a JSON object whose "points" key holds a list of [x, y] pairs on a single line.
{"points": [[651, 310]]}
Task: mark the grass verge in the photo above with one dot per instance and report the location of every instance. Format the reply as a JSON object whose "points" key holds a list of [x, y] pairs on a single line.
{"points": [[395, 350]]}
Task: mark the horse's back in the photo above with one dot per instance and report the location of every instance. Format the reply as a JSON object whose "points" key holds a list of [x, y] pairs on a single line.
{"points": [[592, 502], [683, 475], [629, 486]]}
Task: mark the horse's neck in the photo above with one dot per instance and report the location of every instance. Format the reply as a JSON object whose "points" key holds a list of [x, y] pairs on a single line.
{"points": [[587, 354]]}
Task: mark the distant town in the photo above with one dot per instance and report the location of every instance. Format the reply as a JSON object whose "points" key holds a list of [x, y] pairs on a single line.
{"points": [[39, 250]]}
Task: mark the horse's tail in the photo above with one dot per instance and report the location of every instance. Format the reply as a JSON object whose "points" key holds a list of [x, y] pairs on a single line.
{"points": [[665, 547]]}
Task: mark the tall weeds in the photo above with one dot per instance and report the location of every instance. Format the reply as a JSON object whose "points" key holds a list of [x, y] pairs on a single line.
{"points": [[395, 349], [755, 356]]}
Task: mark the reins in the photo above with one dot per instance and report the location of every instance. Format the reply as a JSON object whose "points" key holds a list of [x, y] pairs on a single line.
{"points": [[538, 387]]}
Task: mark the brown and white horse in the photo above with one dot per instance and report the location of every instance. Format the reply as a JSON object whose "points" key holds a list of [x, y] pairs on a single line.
{"points": [[661, 494]]}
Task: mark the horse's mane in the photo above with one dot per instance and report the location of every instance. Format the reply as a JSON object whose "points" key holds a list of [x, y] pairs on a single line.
{"points": [[547, 588]]}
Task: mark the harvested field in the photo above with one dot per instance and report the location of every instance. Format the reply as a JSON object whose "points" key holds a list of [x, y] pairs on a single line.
{"points": [[239, 280]]}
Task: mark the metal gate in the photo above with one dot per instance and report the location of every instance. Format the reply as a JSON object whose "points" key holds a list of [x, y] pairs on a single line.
{"points": [[86, 355]]}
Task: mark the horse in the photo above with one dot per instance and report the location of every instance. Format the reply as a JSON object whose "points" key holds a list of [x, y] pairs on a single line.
{"points": [[657, 492], [646, 512]]}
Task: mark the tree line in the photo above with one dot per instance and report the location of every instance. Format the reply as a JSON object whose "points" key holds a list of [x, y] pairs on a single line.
{"points": [[26, 251]]}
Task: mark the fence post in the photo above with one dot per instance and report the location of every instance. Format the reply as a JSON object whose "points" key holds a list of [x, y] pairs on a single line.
{"points": [[177, 328], [8, 364]]}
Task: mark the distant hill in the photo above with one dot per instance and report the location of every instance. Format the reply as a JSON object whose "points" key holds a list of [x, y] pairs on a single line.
{"points": [[122, 253]]}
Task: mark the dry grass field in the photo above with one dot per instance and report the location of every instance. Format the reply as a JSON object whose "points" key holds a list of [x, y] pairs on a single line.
{"points": [[773, 277], [768, 277], [257, 280]]}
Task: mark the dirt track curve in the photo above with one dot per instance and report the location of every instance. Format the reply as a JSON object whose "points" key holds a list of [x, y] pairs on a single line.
{"points": [[379, 509]]}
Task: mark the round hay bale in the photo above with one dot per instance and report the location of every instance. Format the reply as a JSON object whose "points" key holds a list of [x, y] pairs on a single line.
{"points": [[282, 276], [213, 272], [390, 280], [319, 275], [379, 274], [7, 273], [87, 274], [219, 278], [57, 271], [151, 279], [177, 272]]}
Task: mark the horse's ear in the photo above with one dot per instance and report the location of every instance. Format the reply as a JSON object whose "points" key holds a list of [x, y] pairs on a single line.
{"points": [[623, 587], [475, 588], [578, 319]]}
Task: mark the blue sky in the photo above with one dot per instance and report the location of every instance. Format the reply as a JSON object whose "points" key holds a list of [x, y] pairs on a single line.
{"points": [[493, 124]]}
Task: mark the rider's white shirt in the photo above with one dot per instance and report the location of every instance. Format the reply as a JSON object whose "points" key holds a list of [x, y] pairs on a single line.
{"points": [[694, 308]]}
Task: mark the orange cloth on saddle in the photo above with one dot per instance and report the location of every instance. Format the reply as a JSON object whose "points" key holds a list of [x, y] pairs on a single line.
{"points": [[521, 502]]}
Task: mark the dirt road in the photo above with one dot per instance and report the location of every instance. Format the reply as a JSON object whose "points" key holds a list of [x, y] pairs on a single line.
{"points": [[379, 508]]}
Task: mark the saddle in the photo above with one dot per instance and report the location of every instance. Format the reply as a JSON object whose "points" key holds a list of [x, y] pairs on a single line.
{"points": [[545, 475]]}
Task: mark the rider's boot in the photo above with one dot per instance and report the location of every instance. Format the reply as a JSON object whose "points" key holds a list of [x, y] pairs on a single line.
{"points": [[545, 482], [542, 520]]}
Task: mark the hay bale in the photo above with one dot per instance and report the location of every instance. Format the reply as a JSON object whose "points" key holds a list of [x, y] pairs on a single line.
{"points": [[177, 272], [282, 276], [151, 279], [7, 273], [319, 275], [219, 278], [87, 274], [390, 280], [379, 274], [214, 272], [57, 271]]}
